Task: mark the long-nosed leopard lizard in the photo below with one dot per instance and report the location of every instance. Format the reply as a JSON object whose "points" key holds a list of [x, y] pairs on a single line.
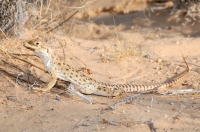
{"points": [[58, 69]]}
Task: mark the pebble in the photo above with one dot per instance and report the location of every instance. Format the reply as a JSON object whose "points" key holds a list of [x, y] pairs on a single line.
{"points": [[86, 124], [152, 61], [147, 111], [158, 73], [158, 68], [147, 56], [159, 60]]}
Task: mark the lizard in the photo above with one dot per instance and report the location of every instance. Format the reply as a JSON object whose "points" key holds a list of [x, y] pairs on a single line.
{"points": [[86, 85]]}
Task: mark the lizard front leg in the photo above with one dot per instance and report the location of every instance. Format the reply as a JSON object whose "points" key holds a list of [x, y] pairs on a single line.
{"points": [[50, 85]]}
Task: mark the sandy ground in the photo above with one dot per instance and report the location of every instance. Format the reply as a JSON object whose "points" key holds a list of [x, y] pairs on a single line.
{"points": [[111, 47]]}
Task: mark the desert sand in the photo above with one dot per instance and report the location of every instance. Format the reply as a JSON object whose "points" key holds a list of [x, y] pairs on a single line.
{"points": [[116, 44]]}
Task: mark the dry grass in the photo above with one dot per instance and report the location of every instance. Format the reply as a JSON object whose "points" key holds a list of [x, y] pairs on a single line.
{"points": [[15, 15], [12, 15], [118, 51]]}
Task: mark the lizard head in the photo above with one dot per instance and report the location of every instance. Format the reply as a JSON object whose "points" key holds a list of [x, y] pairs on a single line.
{"points": [[34, 45]]}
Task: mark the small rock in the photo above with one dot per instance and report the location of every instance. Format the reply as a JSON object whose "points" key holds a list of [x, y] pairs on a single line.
{"points": [[158, 68], [158, 73], [171, 103], [152, 61], [159, 60], [147, 56], [86, 124], [147, 111]]}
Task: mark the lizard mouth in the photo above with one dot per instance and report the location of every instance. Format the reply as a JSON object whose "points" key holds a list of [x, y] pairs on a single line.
{"points": [[28, 47]]}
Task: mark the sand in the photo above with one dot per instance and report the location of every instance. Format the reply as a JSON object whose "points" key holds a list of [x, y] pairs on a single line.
{"points": [[112, 46]]}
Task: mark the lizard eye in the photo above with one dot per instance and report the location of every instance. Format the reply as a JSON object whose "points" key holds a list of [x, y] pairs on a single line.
{"points": [[37, 43]]}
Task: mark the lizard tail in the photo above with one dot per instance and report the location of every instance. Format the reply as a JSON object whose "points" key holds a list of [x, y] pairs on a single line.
{"points": [[137, 88]]}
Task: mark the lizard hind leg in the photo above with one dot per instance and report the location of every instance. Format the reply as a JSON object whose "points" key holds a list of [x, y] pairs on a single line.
{"points": [[71, 89], [104, 91]]}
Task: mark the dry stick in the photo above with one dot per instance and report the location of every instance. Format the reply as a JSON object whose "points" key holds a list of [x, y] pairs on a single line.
{"points": [[87, 3], [77, 124], [11, 26], [116, 123], [80, 61], [17, 79], [124, 101], [14, 66], [71, 25], [38, 23], [181, 91], [62, 47], [61, 15], [41, 8], [29, 18], [14, 75], [48, 6], [63, 22], [57, 17], [10, 74], [22, 54], [29, 63], [19, 83], [40, 20], [17, 75], [151, 125], [5, 35], [27, 21]]}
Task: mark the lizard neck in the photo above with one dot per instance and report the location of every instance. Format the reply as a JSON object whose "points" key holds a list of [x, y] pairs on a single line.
{"points": [[45, 56]]}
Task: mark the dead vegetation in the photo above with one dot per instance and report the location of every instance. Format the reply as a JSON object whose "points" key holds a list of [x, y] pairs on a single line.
{"points": [[12, 16]]}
